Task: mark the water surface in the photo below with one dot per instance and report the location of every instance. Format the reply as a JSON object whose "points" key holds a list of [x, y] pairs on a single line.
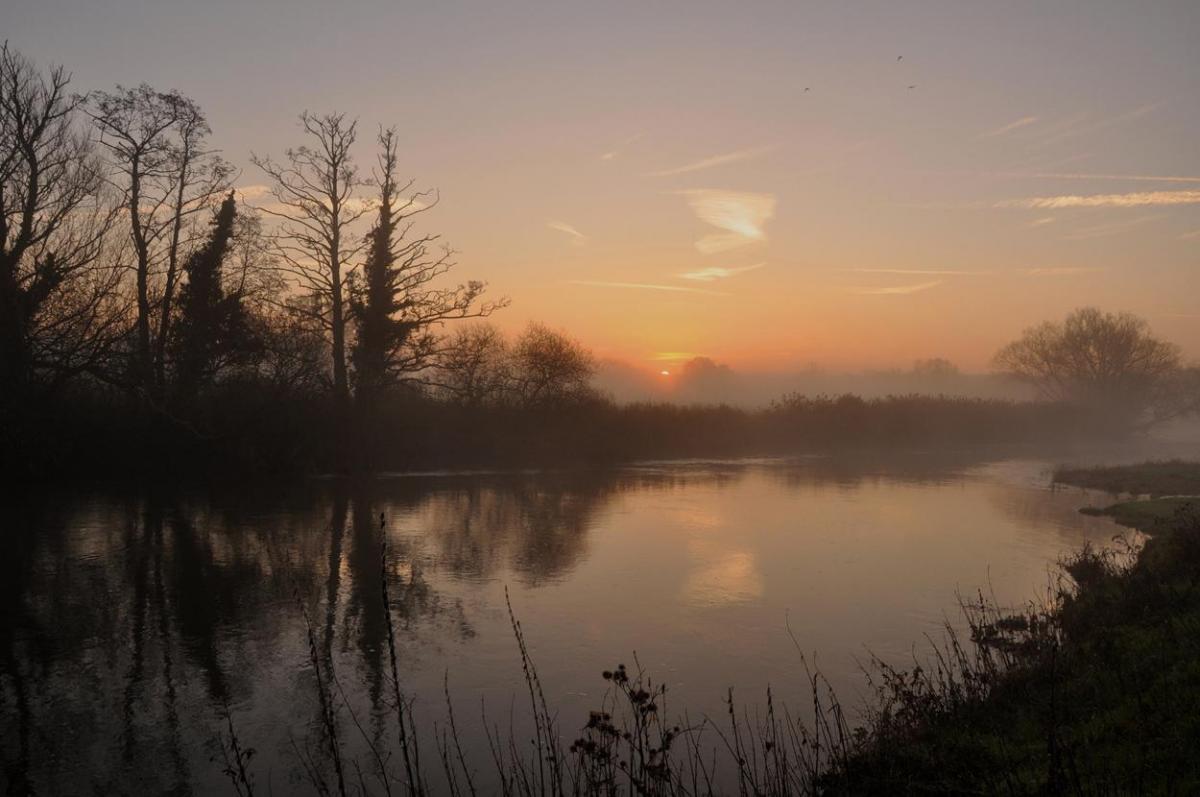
{"points": [[130, 619]]}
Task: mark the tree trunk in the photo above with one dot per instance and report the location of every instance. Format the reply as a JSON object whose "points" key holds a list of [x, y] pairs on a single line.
{"points": [[144, 363], [164, 321], [14, 353]]}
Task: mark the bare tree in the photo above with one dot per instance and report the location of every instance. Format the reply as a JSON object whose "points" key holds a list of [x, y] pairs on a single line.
{"points": [[166, 174], [314, 190], [473, 368], [397, 308], [550, 368], [58, 317], [1105, 361]]}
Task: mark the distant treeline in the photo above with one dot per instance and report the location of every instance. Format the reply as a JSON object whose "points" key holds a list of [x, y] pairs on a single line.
{"points": [[244, 430]]}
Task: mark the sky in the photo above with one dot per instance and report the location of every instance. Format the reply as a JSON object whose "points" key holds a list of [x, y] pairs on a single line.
{"points": [[772, 185]]}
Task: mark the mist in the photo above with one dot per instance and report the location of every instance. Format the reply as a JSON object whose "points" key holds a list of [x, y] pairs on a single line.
{"points": [[704, 381]]}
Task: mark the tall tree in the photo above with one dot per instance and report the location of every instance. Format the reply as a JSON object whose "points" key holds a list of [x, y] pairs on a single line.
{"points": [[314, 190], [397, 308], [166, 174], [58, 315], [210, 326], [1109, 362]]}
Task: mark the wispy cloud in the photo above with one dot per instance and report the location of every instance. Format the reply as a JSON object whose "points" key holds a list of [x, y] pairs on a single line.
{"points": [[1042, 221], [249, 193], [743, 215], [1133, 200], [716, 273], [1011, 126], [1078, 126], [645, 286], [1145, 178], [263, 197], [616, 152], [577, 237], [897, 290], [1187, 236], [708, 163], [1061, 271], [936, 271], [1105, 230]]}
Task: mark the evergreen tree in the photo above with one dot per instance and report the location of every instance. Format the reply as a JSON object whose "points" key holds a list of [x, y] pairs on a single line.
{"points": [[396, 308], [375, 303], [209, 326]]}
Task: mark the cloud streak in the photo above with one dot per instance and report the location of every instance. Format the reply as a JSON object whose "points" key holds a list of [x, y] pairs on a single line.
{"points": [[897, 290], [1011, 126], [934, 271], [742, 215], [1061, 271], [1144, 178], [708, 163], [1104, 230], [1078, 125], [1131, 200], [613, 153], [645, 286], [577, 237], [716, 273]]}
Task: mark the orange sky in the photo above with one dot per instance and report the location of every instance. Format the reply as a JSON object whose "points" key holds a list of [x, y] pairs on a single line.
{"points": [[756, 183]]}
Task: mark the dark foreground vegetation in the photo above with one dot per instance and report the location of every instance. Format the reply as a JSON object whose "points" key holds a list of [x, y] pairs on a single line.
{"points": [[1095, 690], [1097, 693]]}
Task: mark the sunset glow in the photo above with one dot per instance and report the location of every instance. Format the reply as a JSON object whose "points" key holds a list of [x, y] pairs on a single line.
{"points": [[762, 188]]}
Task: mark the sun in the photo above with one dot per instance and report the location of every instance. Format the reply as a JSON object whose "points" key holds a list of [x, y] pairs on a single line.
{"points": [[665, 373]]}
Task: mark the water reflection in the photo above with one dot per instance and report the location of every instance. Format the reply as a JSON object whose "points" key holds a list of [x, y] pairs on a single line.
{"points": [[127, 620]]}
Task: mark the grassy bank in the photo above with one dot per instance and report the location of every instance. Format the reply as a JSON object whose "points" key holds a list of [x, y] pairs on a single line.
{"points": [[1153, 479], [1097, 694]]}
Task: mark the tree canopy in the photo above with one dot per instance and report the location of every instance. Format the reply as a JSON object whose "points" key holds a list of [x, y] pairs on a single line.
{"points": [[1110, 363]]}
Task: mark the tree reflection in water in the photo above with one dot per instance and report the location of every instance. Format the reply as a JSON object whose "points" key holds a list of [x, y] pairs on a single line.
{"points": [[129, 620]]}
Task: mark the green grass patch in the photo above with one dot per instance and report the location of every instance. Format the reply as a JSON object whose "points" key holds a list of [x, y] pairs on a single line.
{"points": [[1154, 479], [1147, 515]]}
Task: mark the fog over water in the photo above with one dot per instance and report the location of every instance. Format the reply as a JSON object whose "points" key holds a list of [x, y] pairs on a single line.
{"points": [[701, 380]]}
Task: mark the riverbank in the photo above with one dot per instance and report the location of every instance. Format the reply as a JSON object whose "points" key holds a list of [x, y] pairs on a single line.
{"points": [[276, 434], [1172, 477], [1098, 693]]}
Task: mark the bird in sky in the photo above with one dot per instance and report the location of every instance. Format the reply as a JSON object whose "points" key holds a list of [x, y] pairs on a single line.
{"points": [[899, 58], [913, 86], [806, 88]]}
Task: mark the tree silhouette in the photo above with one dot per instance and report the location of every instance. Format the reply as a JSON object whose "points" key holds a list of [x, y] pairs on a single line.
{"points": [[548, 368], [1110, 363], [314, 189], [474, 368], [396, 307], [60, 314], [211, 325], [166, 176]]}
